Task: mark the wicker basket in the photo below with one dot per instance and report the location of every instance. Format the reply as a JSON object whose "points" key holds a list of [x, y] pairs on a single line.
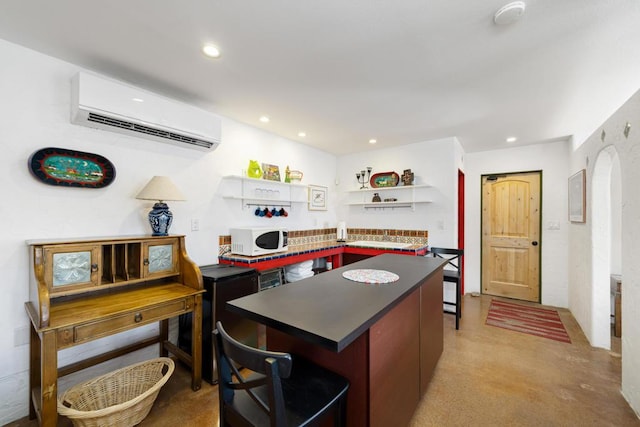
{"points": [[121, 398]]}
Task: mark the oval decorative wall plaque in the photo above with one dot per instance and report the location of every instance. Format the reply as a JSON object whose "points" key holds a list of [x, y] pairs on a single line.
{"points": [[70, 168], [384, 179]]}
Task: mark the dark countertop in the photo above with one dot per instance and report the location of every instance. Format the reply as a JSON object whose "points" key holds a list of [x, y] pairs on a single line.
{"points": [[216, 272], [331, 311]]}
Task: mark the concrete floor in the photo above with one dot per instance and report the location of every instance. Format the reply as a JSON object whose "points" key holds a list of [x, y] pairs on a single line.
{"points": [[486, 376]]}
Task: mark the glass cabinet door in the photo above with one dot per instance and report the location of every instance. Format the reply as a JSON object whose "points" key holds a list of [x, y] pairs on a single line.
{"points": [[72, 267], [160, 258]]}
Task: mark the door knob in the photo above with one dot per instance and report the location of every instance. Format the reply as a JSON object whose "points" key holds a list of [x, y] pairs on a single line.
{"points": [[534, 243]]}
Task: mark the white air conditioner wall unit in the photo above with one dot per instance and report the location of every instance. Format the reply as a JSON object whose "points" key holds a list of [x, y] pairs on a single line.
{"points": [[110, 105]]}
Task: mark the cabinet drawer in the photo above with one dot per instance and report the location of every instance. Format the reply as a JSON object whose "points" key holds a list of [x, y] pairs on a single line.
{"points": [[100, 328]]}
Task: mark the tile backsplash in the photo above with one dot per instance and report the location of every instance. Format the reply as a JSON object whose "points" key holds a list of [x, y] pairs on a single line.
{"points": [[304, 237]]}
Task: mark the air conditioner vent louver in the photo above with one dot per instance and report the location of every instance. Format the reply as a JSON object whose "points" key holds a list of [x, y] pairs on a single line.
{"points": [[135, 127], [106, 104]]}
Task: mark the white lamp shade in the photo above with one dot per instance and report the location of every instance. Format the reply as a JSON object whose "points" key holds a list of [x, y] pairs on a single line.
{"points": [[160, 188]]}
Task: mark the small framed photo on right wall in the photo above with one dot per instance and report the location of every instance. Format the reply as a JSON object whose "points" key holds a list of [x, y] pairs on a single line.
{"points": [[317, 198], [577, 196]]}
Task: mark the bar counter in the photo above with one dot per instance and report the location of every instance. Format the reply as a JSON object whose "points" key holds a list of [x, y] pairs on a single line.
{"points": [[331, 250], [386, 338]]}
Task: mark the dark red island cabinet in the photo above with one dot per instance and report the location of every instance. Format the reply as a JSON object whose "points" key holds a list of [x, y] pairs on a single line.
{"points": [[386, 339]]}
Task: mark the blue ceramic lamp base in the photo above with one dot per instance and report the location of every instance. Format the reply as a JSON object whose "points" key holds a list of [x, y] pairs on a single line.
{"points": [[160, 219]]}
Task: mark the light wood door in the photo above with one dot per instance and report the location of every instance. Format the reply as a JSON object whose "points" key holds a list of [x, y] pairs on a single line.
{"points": [[511, 235]]}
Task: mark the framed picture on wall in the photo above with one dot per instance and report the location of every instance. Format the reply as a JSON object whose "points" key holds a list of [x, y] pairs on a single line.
{"points": [[577, 199], [317, 198], [270, 172]]}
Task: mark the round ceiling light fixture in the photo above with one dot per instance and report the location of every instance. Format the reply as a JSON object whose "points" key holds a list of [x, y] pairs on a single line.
{"points": [[212, 51], [509, 13]]}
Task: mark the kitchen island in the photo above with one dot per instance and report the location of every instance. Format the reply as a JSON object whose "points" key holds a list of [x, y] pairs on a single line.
{"points": [[385, 338]]}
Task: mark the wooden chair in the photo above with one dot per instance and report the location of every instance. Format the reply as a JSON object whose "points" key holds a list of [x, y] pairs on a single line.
{"points": [[282, 390], [452, 274]]}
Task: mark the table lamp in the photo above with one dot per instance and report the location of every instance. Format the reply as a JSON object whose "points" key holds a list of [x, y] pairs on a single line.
{"points": [[160, 188]]}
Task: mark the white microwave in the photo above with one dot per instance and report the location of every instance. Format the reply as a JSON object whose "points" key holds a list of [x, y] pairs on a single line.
{"points": [[258, 241]]}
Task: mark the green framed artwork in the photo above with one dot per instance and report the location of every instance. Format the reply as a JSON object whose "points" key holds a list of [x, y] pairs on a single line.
{"points": [[270, 172]]}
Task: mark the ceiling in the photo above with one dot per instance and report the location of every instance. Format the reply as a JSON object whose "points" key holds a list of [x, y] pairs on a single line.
{"points": [[400, 71]]}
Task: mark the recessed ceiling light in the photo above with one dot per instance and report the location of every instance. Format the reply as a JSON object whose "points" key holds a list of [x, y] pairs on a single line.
{"points": [[372, 141], [509, 13], [512, 139], [264, 119], [302, 134], [211, 51], [137, 99]]}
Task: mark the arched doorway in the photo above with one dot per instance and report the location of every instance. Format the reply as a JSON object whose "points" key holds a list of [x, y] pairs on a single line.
{"points": [[606, 208]]}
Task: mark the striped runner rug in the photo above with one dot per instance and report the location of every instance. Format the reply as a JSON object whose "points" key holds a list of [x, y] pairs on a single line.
{"points": [[530, 320]]}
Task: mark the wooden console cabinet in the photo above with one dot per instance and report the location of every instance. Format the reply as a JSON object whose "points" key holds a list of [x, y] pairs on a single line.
{"points": [[82, 290]]}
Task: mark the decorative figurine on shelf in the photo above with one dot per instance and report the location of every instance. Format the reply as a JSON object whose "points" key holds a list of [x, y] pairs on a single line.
{"points": [[376, 198], [407, 177], [254, 170], [287, 175], [365, 179]]}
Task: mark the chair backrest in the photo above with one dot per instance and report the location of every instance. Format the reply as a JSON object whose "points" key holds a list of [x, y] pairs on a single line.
{"points": [[453, 256], [271, 366]]}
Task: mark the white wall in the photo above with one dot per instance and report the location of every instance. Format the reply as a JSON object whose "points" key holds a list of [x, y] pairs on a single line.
{"points": [[581, 246], [552, 159], [34, 111], [433, 162], [616, 219]]}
